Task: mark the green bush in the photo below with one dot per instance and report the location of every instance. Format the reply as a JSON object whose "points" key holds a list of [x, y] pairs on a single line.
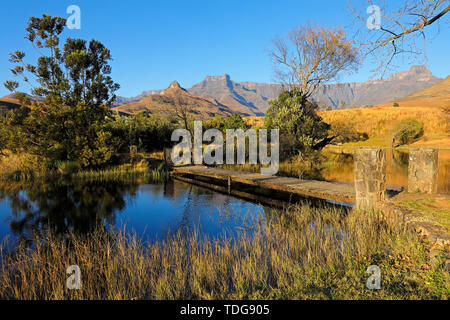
{"points": [[407, 131], [396, 105], [301, 128], [148, 132], [222, 123]]}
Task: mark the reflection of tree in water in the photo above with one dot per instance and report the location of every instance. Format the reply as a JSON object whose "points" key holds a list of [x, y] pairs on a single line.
{"points": [[400, 160], [64, 206]]}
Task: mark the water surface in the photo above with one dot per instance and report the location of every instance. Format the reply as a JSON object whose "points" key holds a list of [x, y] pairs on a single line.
{"points": [[151, 210], [396, 169]]}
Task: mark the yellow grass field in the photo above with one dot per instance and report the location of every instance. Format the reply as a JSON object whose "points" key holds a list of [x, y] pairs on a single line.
{"points": [[431, 106], [379, 123]]}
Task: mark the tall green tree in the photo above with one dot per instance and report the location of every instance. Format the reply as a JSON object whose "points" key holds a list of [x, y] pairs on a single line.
{"points": [[75, 88], [301, 128]]}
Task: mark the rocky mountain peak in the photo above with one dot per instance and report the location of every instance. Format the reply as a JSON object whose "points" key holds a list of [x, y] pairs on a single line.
{"points": [[417, 73], [175, 84], [224, 77], [223, 80]]}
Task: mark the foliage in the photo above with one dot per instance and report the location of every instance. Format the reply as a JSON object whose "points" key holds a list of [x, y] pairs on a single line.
{"points": [[407, 131], [4, 133], [312, 55], [397, 29], [77, 91], [396, 105], [222, 123], [301, 129], [148, 132]]}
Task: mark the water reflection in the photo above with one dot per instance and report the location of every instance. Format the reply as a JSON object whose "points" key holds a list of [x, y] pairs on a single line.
{"points": [[62, 206], [397, 169], [152, 210]]}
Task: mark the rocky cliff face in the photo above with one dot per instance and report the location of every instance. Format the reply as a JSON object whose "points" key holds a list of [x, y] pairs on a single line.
{"points": [[249, 98], [237, 96], [397, 86]]}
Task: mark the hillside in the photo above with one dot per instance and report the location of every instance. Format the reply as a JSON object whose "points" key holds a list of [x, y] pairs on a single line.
{"points": [[162, 103], [430, 106], [379, 123], [9, 103], [437, 95]]}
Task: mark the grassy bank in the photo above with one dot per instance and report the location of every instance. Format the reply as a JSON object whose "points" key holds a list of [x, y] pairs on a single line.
{"points": [[304, 253], [17, 167]]}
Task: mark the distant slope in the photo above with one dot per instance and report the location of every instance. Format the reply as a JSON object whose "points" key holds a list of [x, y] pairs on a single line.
{"points": [[9, 103], [251, 99], [162, 103], [438, 96], [376, 92], [430, 106]]}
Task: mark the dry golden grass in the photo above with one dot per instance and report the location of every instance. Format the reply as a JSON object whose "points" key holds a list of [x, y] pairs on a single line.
{"points": [[254, 122], [304, 253], [379, 123], [438, 95]]}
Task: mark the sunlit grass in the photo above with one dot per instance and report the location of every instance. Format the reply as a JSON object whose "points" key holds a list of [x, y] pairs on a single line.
{"points": [[301, 253], [21, 167]]}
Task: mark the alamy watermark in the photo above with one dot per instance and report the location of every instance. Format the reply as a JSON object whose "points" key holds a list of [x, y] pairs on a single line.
{"points": [[74, 20], [74, 281], [374, 281], [374, 20], [235, 145]]}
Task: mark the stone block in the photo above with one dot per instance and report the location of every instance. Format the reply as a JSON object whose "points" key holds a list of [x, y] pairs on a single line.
{"points": [[370, 177], [423, 171]]}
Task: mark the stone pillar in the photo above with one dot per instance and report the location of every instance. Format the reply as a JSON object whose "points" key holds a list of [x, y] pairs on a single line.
{"points": [[370, 177], [423, 170]]}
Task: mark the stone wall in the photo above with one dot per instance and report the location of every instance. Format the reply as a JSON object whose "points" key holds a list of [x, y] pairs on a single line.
{"points": [[370, 177], [423, 171]]}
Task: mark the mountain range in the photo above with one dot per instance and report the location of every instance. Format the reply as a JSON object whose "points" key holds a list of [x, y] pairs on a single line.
{"points": [[163, 102], [251, 99], [219, 95]]}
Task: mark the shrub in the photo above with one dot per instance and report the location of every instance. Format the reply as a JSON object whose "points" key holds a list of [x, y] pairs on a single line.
{"points": [[407, 131], [396, 105], [148, 132], [301, 128], [222, 123]]}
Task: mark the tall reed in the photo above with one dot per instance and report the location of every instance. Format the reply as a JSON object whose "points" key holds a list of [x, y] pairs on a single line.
{"points": [[300, 253]]}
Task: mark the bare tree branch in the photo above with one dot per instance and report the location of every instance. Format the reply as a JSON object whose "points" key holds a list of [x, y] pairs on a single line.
{"points": [[311, 55], [400, 26]]}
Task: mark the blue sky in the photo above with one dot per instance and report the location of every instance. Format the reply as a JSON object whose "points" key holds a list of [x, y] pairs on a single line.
{"points": [[156, 42]]}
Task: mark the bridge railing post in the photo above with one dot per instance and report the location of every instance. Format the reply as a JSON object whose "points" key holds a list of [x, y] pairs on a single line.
{"points": [[423, 170], [370, 177]]}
